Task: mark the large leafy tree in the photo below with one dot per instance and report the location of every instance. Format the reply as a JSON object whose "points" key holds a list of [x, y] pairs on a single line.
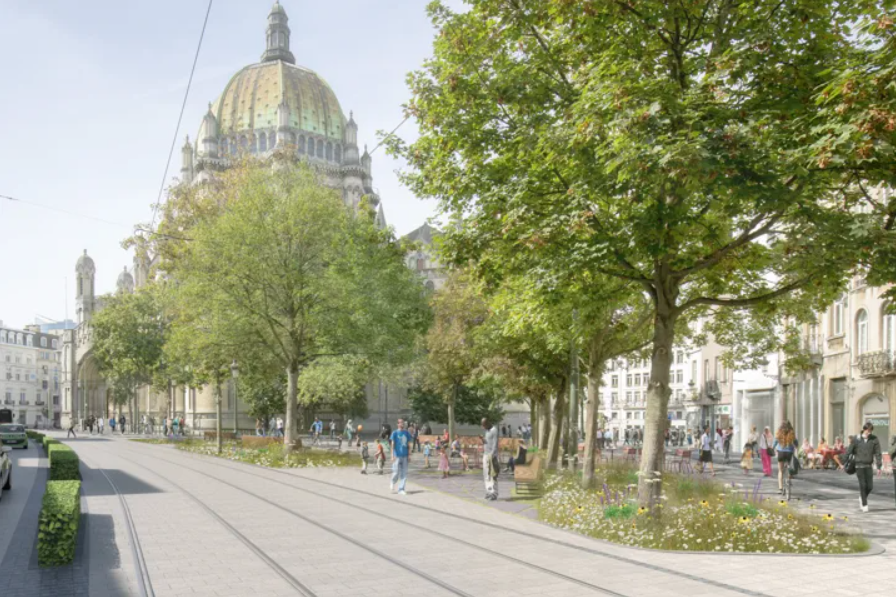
{"points": [[656, 143], [284, 267], [129, 335]]}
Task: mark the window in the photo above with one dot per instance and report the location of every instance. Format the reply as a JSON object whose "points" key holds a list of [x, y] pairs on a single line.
{"points": [[614, 396], [679, 358], [628, 415], [272, 141], [329, 152], [628, 379], [55, 400], [301, 144], [262, 142], [628, 397], [705, 370], [43, 342], [862, 332], [889, 331], [693, 371], [839, 316], [614, 381], [637, 379], [55, 344], [679, 376], [718, 369]]}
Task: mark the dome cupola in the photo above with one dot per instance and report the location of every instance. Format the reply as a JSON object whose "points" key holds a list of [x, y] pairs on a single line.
{"points": [[278, 37], [125, 283]]}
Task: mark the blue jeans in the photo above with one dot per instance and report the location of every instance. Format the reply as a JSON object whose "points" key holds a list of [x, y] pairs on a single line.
{"points": [[400, 472]]}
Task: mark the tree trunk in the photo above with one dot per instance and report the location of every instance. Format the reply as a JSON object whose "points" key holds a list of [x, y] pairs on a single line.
{"points": [[533, 420], [451, 423], [544, 422], [556, 426], [595, 372], [292, 389], [218, 439], [658, 392]]}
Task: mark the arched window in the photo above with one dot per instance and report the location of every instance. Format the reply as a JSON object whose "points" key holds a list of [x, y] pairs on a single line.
{"points": [[329, 152], [862, 332], [272, 141], [320, 148], [253, 143], [889, 330], [223, 146], [301, 144], [338, 154], [233, 147], [244, 144], [262, 142]]}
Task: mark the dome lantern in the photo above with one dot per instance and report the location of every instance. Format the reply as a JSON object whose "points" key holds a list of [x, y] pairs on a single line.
{"points": [[278, 37]]}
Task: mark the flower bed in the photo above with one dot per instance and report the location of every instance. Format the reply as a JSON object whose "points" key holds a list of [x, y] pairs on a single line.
{"points": [[693, 515], [274, 456]]}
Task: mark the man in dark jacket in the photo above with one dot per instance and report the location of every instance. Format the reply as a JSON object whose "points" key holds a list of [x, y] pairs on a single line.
{"points": [[866, 450]]}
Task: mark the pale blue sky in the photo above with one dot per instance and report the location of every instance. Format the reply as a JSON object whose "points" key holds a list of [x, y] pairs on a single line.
{"points": [[89, 98]]}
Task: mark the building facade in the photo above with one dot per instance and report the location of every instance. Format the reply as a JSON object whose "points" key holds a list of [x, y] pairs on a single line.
{"points": [[30, 383]]}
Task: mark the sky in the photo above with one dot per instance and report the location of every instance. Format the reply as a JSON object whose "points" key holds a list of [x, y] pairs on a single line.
{"points": [[90, 94]]}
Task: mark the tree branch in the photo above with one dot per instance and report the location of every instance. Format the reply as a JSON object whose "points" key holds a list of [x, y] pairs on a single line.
{"points": [[744, 302]]}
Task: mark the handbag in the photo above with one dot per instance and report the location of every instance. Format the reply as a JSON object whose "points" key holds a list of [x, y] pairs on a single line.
{"points": [[770, 452], [850, 466], [794, 465]]}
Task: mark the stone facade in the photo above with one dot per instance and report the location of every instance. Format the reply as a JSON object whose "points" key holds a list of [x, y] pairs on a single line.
{"points": [[30, 378]]}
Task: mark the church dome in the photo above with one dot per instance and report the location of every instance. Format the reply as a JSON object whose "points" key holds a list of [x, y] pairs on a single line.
{"points": [[125, 281], [85, 264], [253, 96]]}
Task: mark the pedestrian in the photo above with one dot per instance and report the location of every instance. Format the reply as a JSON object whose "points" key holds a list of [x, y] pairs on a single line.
{"points": [[503, 430], [175, 426], [444, 464], [753, 440], [380, 456], [490, 464], [785, 445], [706, 452], [416, 435], [365, 457], [727, 436], [100, 425], [122, 421], [360, 428], [746, 460], [112, 423], [866, 451], [71, 429], [349, 431], [427, 450], [259, 429], [280, 427], [332, 429], [766, 451], [400, 443]]}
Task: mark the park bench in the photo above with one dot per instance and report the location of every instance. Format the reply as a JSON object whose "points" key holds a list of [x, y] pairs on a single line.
{"points": [[527, 477]]}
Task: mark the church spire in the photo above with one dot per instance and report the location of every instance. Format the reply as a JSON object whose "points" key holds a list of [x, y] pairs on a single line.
{"points": [[278, 36]]}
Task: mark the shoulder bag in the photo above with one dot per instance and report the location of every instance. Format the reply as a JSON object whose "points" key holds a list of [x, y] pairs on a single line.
{"points": [[850, 465]]}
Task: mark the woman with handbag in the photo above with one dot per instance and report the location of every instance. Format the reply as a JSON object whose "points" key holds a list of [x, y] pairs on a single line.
{"points": [[766, 451], [866, 451], [785, 444]]}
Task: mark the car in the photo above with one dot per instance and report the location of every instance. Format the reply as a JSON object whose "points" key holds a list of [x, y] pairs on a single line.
{"points": [[5, 470], [12, 434]]}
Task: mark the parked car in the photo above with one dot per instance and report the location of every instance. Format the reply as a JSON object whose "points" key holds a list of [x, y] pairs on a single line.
{"points": [[12, 434], [5, 470]]}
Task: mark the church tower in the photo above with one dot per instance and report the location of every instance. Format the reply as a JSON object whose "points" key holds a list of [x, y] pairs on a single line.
{"points": [[186, 169], [278, 37], [85, 299]]}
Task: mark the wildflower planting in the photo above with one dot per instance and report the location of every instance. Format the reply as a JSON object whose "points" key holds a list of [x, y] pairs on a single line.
{"points": [[691, 515], [274, 455]]}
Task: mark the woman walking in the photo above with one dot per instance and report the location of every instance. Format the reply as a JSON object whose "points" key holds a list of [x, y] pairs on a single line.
{"points": [[706, 451], [785, 444], [753, 440], [766, 441], [866, 451]]}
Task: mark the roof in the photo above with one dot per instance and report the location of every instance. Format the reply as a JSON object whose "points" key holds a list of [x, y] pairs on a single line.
{"points": [[424, 234], [251, 99]]}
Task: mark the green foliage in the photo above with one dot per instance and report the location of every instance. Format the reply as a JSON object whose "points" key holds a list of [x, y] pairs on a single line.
{"points": [[336, 383], [623, 511], [742, 510], [34, 435], [64, 463], [60, 516], [471, 405], [275, 455], [48, 441]]}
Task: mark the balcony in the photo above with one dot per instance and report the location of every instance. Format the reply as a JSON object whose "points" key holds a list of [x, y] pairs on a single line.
{"points": [[879, 363], [8, 401], [711, 391], [39, 403]]}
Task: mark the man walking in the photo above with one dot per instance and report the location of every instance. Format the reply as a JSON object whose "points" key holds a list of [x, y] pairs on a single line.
{"points": [[71, 429], [332, 429], [100, 424], [122, 421], [490, 464], [401, 443]]}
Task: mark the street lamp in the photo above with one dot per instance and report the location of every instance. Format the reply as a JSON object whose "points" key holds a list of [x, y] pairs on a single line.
{"points": [[235, 371]]}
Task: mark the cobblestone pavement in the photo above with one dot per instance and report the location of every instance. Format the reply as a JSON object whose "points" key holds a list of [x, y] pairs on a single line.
{"points": [[207, 526]]}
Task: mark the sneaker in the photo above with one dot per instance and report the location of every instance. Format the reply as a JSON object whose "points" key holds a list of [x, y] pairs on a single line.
{"points": [[392, 487], [865, 509], [402, 492]]}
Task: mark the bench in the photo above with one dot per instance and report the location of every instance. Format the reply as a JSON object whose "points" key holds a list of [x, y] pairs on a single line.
{"points": [[527, 477]]}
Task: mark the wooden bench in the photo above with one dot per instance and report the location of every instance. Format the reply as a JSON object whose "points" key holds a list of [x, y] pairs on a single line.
{"points": [[527, 477]]}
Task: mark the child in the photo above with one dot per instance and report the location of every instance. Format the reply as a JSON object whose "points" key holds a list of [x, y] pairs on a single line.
{"points": [[444, 466], [746, 461], [380, 456], [427, 450], [339, 443], [365, 456]]}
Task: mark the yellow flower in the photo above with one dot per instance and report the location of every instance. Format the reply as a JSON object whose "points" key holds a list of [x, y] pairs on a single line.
{"points": [[642, 511], [704, 503], [811, 506], [827, 518], [846, 518], [634, 526], [814, 528], [782, 503], [790, 517], [743, 520], [579, 509]]}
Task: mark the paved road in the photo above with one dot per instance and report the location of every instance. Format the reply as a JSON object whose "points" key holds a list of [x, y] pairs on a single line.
{"points": [[162, 522]]}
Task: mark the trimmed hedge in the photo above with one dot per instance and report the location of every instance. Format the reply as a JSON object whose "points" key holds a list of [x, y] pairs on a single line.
{"points": [[36, 436], [48, 441], [64, 463], [60, 516]]}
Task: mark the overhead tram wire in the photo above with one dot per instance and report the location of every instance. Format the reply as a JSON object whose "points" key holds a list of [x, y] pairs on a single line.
{"points": [[62, 211], [155, 208]]}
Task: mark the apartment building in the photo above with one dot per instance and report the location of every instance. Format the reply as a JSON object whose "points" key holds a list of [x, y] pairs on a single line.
{"points": [[29, 383]]}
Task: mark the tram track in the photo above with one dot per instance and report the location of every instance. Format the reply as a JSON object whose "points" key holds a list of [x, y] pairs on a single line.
{"points": [[242, 469]]}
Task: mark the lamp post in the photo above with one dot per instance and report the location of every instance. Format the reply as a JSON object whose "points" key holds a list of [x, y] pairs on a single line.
{"points": [[235, 371]]}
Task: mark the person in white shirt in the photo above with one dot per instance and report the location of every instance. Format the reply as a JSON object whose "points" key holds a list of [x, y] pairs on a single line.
{"points": [[490, 464], [706, 450]]}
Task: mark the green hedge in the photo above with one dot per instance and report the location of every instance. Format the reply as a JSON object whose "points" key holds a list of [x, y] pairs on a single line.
{"points": [[47, 441], [58, 523], [64, 463], [36, 436]]}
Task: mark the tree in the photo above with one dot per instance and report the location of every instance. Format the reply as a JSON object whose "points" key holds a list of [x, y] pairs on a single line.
{"points": [[129, 335], [286, 268], [655, 143], [337, 383], [471, 404]]}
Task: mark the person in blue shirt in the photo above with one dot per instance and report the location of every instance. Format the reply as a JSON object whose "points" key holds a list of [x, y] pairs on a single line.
{"points": [[400, 441]]}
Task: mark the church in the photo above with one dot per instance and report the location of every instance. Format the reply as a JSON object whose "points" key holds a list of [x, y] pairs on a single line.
{"points": [[274, 104]]}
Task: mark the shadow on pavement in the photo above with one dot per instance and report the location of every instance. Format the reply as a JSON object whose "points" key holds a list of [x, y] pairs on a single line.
{"points": [[95, 484]]}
